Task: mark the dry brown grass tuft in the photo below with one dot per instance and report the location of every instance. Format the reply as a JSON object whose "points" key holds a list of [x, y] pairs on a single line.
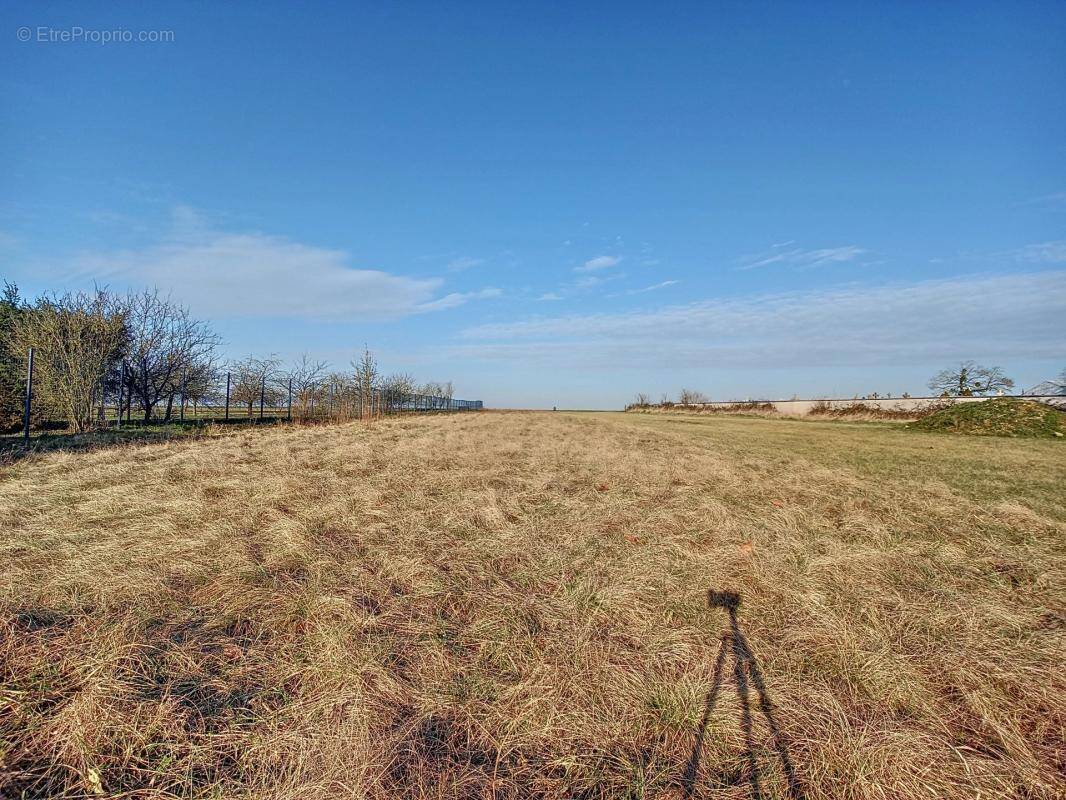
{"points": [[516, 605], [860, 411], [752, 408]]}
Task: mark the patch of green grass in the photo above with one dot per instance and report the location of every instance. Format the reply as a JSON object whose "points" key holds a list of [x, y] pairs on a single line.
{"points": [[13, 446], [987, 470], [999, 416]]}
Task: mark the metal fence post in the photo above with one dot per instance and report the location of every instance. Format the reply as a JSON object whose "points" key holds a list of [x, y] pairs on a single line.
{"points": [[29, 399], [227, 395], [290, 399], [121, 391], [144, 385]]}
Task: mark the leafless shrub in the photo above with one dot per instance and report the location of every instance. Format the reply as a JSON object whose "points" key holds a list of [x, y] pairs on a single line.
{"points": [[743, 407], [859, 410], [690, 397], [306, 377], [337, 395], [640, 404], [78, 339]]}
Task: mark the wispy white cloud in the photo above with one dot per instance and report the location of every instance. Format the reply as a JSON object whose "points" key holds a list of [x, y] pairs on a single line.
{"points": [[222, 274], [1053, 199], [464, 263], [1043, 253], [591, 281], [798, 257], [456, 299], [984, 316], [104, 216], [1049, 252], [598, 263], [581, 285], [653, 287]]}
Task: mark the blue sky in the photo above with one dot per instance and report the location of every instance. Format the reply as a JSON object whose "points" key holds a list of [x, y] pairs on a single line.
{"points": [[559, 204]]}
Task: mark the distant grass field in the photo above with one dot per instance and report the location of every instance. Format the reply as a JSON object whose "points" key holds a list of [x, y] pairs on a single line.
{"points": [[537, 605]]}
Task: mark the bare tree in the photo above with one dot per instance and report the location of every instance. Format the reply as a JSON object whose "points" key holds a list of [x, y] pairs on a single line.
{"points": [[430, 389], [447, 392], [165, 344], [307, 376], [366, 376], [440, 393], [1058, 384], [398, 388], [200, 384], [78, 338], [970, 379], [1055, 386], [255, 380], [339, 394], [642, 400], [690, 397]]}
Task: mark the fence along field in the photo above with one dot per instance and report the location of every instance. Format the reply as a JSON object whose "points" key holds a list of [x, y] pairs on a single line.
{"points": [[85, 361], [272, 397]]}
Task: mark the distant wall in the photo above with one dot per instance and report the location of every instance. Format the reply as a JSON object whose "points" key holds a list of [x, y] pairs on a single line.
{"points": [[799, 408]]}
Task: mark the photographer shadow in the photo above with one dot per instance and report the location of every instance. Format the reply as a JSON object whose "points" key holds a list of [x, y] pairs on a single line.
{"points": [[746, 673]]}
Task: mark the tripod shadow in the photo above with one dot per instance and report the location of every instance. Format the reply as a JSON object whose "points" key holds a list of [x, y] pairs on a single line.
{"points": [[746, 673]]}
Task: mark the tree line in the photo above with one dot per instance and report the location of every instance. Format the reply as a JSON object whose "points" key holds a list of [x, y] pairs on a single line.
{"points": [[968, 379], [145, 355]]}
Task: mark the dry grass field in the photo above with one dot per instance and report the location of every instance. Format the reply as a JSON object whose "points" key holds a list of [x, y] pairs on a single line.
{"points": [[516, 605]]}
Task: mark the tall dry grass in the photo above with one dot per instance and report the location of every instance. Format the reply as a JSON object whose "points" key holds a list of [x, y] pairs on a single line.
{"points": [[517, 606]]}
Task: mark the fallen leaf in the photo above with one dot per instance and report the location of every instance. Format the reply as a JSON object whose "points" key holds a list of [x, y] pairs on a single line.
{"points": [[602, 487], [92, 777]]}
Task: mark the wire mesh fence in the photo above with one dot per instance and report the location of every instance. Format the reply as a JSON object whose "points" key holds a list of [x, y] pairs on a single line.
{"points": [[229, 397]]}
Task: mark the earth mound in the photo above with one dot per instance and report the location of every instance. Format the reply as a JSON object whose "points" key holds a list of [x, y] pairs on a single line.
{"points": [[998, 416]]}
